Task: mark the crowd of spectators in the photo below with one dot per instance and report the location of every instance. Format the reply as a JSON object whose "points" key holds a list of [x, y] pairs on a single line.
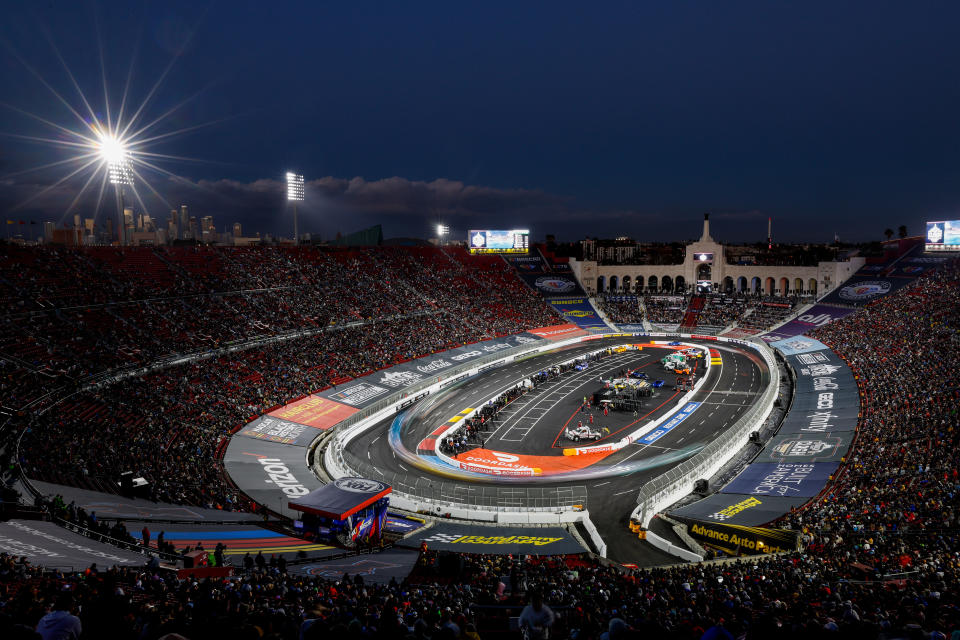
{"points": [[621, 308], [896, 503], [446, 596], [665, 309], [71, 314]]}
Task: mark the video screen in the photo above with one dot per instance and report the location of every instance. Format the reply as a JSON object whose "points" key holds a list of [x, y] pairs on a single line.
{"points": [[499, 241], [943, 236]]}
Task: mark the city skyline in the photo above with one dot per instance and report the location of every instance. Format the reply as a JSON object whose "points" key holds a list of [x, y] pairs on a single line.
{"points": [[572, 122]]}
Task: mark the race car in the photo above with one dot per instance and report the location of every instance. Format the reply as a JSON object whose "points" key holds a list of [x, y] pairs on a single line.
{"points": [[581, 433], [683, 370], [580, 366], [656, 384], [693, 353], [639, 375], [673, 344]]}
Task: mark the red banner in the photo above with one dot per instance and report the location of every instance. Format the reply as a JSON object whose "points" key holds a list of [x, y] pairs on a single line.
{"points": [[315, 412]]}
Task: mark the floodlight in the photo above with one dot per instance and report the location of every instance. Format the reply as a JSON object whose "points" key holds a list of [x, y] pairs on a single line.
{"points": [[294, 187], [442, 230]]}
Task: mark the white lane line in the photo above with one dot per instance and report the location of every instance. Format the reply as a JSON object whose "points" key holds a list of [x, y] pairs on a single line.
{"points": [[378, 471], [374, 441], [403, 467], [368, 454], [620, 493], [602, 483]]}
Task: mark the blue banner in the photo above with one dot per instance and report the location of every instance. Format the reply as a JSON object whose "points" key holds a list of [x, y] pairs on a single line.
{"points": [[784, 479], [670, 424], [579, 311]]}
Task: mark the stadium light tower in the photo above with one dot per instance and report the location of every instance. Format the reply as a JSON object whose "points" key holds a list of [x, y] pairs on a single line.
{"points": [[442, 230], [114, 153], [295, 195]]}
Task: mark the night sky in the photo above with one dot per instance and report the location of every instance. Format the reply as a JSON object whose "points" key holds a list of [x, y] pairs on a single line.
{"points": [[572, 118]]}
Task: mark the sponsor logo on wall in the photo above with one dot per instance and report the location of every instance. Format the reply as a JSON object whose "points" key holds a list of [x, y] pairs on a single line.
{"points": [[466, 356], [491, 540], [396, 379], [275, 430], [434, 365], [279, 474], [359, 485], [359, 393], [734, 509], [865, 290], [553, 284], [806, 448]]}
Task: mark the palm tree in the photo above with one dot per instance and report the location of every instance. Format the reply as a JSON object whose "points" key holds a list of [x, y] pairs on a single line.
{"points": [[888, 232], [902, 230]]}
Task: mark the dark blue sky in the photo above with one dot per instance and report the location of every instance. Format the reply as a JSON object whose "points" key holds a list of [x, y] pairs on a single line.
{"points": [[568, 117]]}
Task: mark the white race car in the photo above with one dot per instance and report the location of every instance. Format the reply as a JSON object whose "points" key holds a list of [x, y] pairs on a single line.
{"points": [[582, 433]]}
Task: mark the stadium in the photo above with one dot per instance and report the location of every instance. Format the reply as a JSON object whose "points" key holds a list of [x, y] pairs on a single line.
{"points": [[314, 441]]}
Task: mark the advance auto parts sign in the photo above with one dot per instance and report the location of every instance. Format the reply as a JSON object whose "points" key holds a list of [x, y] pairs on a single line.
{"points": [[496, 540], [746, 540]]}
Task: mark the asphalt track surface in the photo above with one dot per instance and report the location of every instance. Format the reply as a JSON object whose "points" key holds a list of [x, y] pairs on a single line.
{"points": [[729, 391]]}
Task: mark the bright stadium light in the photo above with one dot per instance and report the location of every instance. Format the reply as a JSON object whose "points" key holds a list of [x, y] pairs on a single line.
{"points": [[442, 230], [295, 192]]}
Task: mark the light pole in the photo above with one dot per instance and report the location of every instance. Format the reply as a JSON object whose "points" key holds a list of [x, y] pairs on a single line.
{"points": [[295, 195], [442, 230], [114, 153]]}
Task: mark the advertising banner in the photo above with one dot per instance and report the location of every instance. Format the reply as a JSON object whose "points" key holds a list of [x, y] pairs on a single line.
{"points": [[817, 316], [860, 290], [528, 264], [846, 400], [553, 284], [558, 331], [793, 346], [818, 421], [280, 431], [578, 311], [268, 472], [363, 392], [496, 540], [821, 371], [314, 411], [731, 508], [798, 447], [737, 540], [804, 479]]}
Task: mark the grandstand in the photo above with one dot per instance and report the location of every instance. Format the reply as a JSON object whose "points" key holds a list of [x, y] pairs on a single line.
{"points": [[148, 359]]}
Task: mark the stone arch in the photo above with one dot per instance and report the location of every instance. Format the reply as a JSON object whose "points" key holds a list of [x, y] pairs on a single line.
{"points": [[798, 285], [614, 281], [680, 284], [755, 284], [652, 283], [601, 284], [625, 284], [728, 284], [742, 283], [812, 286], [771, 285], [784, 286], [666, 283]]}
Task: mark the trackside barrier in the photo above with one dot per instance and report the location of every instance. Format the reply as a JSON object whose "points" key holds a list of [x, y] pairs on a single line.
{"points": [[672, 549], [668, 488]]}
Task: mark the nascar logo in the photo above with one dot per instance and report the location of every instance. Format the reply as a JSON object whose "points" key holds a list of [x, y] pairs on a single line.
{"points": [[554, 285], [864, 290]]}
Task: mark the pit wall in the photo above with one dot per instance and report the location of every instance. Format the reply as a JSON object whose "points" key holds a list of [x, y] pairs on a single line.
{"points": [[666, 486]]}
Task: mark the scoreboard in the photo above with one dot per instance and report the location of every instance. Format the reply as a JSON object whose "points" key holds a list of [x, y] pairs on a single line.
{"points": [[499, 241]]}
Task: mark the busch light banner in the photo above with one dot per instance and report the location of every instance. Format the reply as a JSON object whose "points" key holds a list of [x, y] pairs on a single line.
{"points": [[783, 479], [527, 264], [817, 316], [744, 510], [579, 311]]}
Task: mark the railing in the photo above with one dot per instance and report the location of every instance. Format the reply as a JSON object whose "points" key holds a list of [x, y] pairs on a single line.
{"points": [[669, 487]]}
